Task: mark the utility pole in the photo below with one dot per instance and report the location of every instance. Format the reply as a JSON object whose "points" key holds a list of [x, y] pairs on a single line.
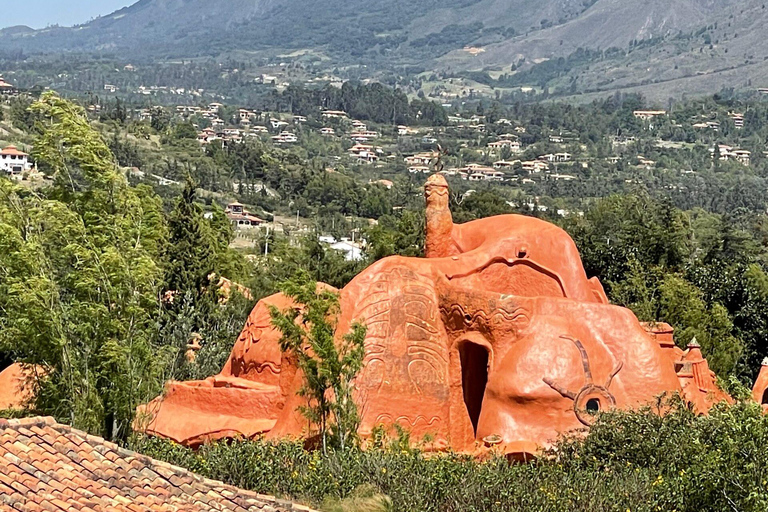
{"points": [[266, 243]]}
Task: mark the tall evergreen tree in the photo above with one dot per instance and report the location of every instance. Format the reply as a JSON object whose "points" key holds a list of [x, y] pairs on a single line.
{"points": [[191, 255]]}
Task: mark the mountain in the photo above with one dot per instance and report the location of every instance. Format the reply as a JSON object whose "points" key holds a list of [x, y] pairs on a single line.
{"points": [[350, 27], [652, 45], [661, 49], [16, 30]]}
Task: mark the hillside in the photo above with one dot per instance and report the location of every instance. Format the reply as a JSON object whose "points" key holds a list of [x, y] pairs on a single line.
{"points": [[344, 27], [656, 47], [609, 23]]}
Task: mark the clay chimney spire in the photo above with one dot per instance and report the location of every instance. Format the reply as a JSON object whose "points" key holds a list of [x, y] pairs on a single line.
{"points": [[439, 241]]}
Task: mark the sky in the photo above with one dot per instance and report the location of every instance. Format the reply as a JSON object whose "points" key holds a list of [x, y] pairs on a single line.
{"points": [[41, 13]]}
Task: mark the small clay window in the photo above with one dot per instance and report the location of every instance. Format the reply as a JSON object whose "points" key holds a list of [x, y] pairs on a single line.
{"points": [[765, 397], [593, 405]]}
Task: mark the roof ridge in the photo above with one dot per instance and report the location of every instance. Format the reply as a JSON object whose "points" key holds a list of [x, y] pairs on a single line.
{"points": [[30, 421], [152, 463]]}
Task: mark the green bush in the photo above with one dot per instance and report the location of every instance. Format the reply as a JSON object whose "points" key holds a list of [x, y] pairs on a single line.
{"points": [[636, 462]]}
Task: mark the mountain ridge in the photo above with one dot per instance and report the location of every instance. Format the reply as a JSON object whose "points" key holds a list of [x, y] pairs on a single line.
{"points": [[656, 42]]}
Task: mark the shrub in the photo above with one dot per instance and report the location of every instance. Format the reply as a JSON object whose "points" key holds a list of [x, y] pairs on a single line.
{"points": [[629, 461]]}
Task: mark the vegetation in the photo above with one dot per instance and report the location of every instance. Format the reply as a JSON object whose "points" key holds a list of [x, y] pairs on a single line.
{"points": [[80, 275], [637, 461], [83, 264]]}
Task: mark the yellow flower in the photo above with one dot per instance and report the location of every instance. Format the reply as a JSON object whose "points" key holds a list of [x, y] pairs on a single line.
{"points": [[384, 470]]}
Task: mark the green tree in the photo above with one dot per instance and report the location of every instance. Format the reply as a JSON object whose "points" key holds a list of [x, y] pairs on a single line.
{"points": [[329, 360], [657, 296], [80, 278], [191, 252]]}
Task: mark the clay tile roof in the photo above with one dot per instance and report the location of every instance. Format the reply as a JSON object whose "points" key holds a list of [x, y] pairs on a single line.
{"points": [[48, 466], [12, 150]]}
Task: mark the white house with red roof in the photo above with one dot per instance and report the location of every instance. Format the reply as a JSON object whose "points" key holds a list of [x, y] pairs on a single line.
{"points": [[13, 161]]}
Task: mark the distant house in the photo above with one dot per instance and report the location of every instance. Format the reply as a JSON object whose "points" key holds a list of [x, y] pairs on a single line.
{"points": [[6, 88], [738, 120], [285, 138], [513, 145], [240, 217], [367, 157], [421, 159], [648, 114], [535, 166], [351, 250], [267, 79], [503, 164], [13, 161], [645, 162], [708, 125], [363, 136], [365, 153], [385, 183], [477, 172], [742, 156], [556, 157], [327, 131], [110, 88], [728, 153], [562, 177], [334, 114]]}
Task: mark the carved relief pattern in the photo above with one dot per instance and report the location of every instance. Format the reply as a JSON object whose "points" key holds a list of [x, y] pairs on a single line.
{"points": [[401, 314]]}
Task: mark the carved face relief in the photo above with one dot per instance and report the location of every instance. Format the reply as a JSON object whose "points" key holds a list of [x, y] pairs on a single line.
{"points": [[591, 398]]}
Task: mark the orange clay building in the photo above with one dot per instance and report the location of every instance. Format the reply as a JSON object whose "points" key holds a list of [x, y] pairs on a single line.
{"points": [[496, 338]]}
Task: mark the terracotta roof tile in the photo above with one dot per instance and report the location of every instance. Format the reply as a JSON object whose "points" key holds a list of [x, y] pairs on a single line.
{"points": [[45, 466]]}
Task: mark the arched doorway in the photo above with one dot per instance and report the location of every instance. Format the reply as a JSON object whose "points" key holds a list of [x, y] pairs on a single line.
{"points": [[474, 378]]}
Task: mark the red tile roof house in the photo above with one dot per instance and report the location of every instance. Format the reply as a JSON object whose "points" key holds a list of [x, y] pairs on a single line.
{"points": [[45, 466]]}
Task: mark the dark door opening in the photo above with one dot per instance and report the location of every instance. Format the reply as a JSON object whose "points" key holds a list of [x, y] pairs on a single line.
{"points": [[765, 397], [474, 378]]}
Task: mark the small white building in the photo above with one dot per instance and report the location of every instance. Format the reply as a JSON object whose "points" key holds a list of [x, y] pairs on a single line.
{"points": [[351, 250], [13, 161]]}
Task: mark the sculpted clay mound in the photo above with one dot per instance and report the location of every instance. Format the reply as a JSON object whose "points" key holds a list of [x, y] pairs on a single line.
{"points": [[17, 385], [496, 338]]}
